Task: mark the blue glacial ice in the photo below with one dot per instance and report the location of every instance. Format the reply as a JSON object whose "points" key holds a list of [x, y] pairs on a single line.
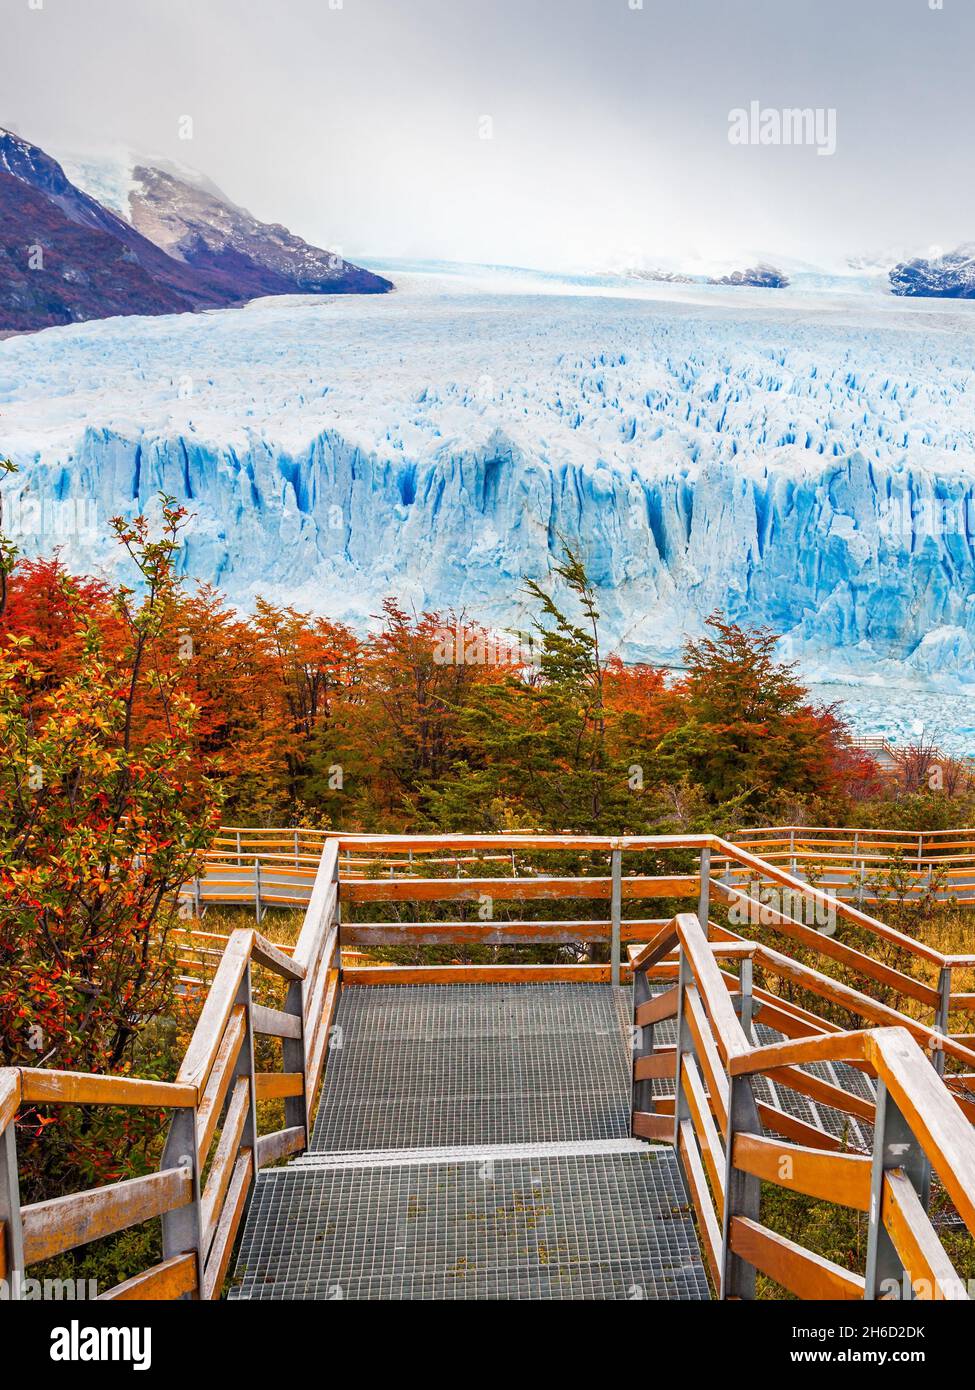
{"points": [[798, 458]]}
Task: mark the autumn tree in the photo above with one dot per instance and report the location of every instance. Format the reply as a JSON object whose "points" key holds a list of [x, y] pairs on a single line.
{"points": [[97, 828], [744, 726], [545, 744], [398, 728]]}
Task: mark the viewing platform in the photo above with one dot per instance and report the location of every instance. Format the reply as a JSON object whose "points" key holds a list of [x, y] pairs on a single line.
{"points": [[596, 1124]]}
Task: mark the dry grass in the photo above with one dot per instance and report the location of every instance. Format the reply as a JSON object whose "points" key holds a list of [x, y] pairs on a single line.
{"points": [[280, 925]]}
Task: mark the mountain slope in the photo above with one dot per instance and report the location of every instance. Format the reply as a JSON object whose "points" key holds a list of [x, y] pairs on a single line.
{"points": [[188, 217], [183, 246], [81, 272], [941, 277], [32, 167], [766, 277], [207, 231]]}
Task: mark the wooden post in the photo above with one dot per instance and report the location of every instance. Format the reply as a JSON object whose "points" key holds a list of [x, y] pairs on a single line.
{"points": [[742, 1190], [894, 1146], [941, 1016], [338, 918], [257, 890], [704, 900], [296, 1108], [682, 1109], [10, 1213], [641, 1046], [245, 1061], [182, 1229], [746, 996], [616, 916]]}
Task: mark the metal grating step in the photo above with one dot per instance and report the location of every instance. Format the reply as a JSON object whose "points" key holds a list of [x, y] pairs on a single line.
{"points": [[432, 1066], [380, 1158], [567, 1226]]}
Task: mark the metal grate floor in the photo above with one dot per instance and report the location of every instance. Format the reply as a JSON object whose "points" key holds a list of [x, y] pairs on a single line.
{"points": [[426, 1066], [573, 1226], [473, 1143]]}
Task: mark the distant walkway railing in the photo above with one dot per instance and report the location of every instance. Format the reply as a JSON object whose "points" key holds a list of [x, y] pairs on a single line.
{"points": [[276, 868]]}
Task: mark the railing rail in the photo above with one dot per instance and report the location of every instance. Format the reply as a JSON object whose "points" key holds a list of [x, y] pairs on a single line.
{"points": [[276, 867], [214, 1146], [718, 1125]]}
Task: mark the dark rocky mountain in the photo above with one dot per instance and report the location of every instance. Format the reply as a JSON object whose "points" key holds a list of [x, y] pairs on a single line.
{"points": [[198, 250], [31, 166], [765, 277], [943, 277], [55, 270]]}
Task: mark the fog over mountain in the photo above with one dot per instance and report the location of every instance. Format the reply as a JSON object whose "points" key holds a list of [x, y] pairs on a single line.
{"points": [[565, 134]]}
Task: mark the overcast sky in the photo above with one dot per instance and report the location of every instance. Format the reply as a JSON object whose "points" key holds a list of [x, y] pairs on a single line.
{"points": [[360, 126]]}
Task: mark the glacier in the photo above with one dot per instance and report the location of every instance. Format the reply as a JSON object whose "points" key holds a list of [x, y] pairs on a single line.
{"points": [[802, 457]]}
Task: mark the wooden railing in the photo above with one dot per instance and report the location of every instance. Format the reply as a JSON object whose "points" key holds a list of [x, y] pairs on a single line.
{"points": [[214, 1147], [266, 868], [276, 867], [444, 869], [209, 1162], [720, 1126], [869, 866]]}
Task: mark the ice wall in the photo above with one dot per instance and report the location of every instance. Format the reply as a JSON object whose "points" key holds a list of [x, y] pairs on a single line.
{"points": [[798, 461]]}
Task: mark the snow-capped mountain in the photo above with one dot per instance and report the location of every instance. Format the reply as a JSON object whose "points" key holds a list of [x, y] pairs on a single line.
{"points": [[763, 277], [54, 269], [190, 219], [75, 265], [201, 251], [805, 461], [951, 276]]}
